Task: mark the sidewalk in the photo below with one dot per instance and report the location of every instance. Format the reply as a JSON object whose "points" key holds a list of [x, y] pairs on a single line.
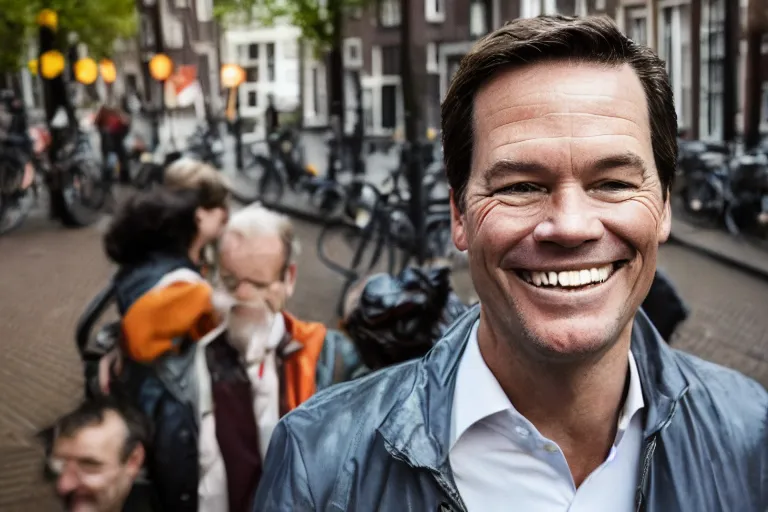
{"points": [[722, 246]]}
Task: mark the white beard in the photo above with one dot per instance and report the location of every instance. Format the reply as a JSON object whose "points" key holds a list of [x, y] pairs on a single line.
{"points": [[248, 333]]}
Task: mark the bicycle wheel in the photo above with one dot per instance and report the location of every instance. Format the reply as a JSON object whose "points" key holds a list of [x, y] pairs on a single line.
{"points": [[14, 208], [80, 193]]}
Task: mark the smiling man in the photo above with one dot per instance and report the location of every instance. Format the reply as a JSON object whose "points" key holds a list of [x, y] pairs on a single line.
{"points": [[557, 393]]}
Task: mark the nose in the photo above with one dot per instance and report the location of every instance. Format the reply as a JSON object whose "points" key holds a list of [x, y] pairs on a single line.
{"points": [[571, 220], [67, 482]]}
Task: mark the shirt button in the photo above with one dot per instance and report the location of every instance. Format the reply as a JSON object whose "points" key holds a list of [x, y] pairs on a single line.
{"points": [[551, 448], [521, 431]]}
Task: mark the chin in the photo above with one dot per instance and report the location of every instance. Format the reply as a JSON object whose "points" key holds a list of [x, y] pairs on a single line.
{"points": [[570, 339]]}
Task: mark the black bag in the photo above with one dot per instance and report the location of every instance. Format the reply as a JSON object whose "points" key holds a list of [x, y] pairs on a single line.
{"points": [[664, 306], [399, 318]]}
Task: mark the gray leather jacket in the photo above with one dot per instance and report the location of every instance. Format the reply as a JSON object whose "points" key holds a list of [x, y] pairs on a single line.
{"points": [[381, 443]]}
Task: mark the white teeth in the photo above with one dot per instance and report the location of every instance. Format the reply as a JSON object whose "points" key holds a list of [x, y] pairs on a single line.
{"points": [[568, 278]]}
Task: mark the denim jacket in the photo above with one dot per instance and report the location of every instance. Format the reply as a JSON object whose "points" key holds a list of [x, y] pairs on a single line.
{"points": [[381, 443]]}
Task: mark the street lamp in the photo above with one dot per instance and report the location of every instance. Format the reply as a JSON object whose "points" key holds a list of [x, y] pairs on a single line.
{"points": [[232, 76], [160, 68], [86, 71], [51, 64], [108, 71]]}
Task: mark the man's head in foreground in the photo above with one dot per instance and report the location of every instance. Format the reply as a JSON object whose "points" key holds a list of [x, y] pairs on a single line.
{"points": [[560, 147], [98, 451]]}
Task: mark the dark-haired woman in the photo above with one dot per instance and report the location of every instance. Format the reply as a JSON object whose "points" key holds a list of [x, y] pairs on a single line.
{"points": [[157, 238]]}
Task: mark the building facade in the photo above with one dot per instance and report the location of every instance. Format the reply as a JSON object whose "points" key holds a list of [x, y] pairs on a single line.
{"points": [[185, 30], [442, 31]]}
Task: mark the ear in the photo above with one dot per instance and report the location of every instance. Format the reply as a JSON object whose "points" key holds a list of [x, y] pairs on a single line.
{"points": [[458, 231], [135, 461], [290, 280], [665, 226]]}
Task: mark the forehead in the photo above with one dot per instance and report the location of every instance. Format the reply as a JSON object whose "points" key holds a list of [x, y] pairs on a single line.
{"points": [[560, 105], [241, 253], [102, 441]]}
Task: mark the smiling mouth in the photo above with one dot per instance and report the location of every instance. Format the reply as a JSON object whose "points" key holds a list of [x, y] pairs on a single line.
{"points": [[571, 280]]}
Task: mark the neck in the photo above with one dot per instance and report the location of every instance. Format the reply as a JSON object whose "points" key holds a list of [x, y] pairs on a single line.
{"points": [[575, 404]]}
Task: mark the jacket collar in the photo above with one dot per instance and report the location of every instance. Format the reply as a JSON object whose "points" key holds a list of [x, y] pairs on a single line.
{"points": [[418, 428]]}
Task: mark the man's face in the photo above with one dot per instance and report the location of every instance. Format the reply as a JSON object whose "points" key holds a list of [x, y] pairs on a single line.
{"points": [[93, 477], [564, 211]]}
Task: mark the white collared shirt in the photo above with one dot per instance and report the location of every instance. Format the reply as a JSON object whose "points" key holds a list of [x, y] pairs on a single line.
{"points": [[501, 462]]}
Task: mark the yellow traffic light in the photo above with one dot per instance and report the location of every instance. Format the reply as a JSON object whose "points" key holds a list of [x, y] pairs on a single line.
{"points": [[48, 18], [51, 64], [86, 71]]}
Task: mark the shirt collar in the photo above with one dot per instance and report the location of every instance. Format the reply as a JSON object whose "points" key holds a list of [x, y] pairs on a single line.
{"points": [[479, 395]]}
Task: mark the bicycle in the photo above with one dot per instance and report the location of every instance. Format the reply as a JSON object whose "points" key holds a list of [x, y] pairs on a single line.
{"points": [[383, 225]]}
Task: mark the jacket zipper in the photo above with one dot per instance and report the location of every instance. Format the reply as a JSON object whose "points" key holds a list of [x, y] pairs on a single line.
{"points": [[648, 452], [395, 454]]}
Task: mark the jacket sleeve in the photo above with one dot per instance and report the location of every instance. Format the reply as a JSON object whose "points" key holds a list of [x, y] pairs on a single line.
{"points": [[284, 483]]}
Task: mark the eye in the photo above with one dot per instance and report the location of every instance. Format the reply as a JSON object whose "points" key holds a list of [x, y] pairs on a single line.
{"points": [[521, 188], [615, 185]]}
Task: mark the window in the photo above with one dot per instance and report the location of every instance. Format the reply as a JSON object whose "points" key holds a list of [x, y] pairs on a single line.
{"points": [[253, 51], [315, 91], [353, 52], [270, 62], [252, 74], [434, 11], [389, 13], [390, 60], [253, 99], [432, 61], [478, 18], [389, 107], [147, 31], [637, 26]]}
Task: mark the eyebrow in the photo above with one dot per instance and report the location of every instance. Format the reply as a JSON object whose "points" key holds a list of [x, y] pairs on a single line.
{"points": [[506, 167]]}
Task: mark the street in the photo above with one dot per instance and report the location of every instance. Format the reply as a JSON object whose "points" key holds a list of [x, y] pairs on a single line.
{"points": [[49, 274]]}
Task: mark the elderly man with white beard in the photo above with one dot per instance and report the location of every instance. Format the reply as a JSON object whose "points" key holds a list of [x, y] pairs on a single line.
{"points": [[262, 361]]}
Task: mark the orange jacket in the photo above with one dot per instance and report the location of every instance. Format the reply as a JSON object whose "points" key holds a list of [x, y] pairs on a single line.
{"points": [[300, 367]]}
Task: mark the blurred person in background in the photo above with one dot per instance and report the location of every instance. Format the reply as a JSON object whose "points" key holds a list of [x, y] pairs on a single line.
{"points": [[114, 124], [263, 362], [97, 457], [157, 240]]}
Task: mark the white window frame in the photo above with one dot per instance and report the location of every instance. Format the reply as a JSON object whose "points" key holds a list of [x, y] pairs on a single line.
{"points": [[637, 12], [434, 11], [204, 10], [351, 62], [389, 14], [478, 28], [550, 6], [581, 8], [433, 66], [530, 8]]}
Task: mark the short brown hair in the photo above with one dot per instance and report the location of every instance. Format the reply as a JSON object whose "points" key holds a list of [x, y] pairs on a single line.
{"points": [[545, 38], [211, 184]]}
